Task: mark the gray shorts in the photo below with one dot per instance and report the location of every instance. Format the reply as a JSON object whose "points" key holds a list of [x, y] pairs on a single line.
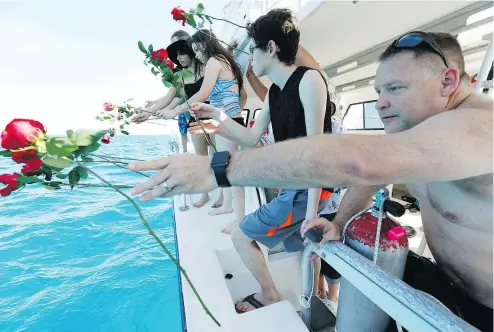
{"points": [[280, 220]]}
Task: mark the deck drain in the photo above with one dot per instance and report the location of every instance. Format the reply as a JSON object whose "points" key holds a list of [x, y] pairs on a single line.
{"points": [[228, 276]]}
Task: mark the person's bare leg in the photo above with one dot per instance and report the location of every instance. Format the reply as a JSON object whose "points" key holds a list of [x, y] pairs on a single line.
{"points": [[317, 271], [333, 291], [238, 194], [323, 287], [184, 143], [253, 258], [201, 148], [222, 144], [219, 201]]}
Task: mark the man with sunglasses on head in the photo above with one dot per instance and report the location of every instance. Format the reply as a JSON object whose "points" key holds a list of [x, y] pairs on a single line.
{"points": [[439, 143]]}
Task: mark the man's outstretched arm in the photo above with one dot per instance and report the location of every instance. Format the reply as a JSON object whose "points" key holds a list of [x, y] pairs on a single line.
{"points": [[449, 146]]}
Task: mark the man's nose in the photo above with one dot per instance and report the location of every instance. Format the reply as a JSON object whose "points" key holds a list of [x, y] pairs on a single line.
{"points": [[382, 103]]}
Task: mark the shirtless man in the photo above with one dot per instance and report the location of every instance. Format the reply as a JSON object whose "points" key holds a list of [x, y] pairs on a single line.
{"points": [[439, 142]]}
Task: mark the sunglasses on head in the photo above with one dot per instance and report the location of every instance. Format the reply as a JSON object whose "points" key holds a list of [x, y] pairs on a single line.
{"points": [[415, 38]]}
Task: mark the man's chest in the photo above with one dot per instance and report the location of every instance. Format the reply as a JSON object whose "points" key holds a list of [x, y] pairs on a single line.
{"points": [[467, 203]]}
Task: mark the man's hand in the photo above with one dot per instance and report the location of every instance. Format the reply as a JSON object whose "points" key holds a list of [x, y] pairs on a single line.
{"points": [[163, 114], [330, 230], [182, 174], [141, 117], [210, 127]]}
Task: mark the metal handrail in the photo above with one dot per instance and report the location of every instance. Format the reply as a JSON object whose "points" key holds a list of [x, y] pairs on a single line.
{"points": [[411, 308]]}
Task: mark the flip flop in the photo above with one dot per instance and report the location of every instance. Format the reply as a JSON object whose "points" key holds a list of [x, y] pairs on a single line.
{"points": [[252, 301]]}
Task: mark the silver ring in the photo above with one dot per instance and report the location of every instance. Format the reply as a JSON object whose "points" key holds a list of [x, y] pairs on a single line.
{"points": [[165, 186]]}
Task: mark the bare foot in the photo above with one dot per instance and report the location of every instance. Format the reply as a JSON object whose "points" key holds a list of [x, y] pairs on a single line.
{"points": [[230, 227], [244, 306], [219, 202], [203, 200], [220, 210], [323, 287]]}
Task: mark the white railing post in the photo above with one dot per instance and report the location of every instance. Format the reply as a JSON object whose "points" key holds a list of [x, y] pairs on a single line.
{"points": [[484, 70]]}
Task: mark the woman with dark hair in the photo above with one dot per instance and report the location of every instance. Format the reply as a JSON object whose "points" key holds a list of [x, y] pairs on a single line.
{"points": [[223, 88], [181, 53]]}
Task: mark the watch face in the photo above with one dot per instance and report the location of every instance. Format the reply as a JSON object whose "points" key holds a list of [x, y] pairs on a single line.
{"points": [[221, 158]]}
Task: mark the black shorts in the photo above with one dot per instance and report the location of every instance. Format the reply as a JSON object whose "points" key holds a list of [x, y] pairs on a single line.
{"points": [[239, 120], [422, 274]]}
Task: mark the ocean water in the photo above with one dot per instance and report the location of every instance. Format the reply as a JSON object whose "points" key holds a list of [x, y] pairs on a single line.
{"points": [[82, 260]]}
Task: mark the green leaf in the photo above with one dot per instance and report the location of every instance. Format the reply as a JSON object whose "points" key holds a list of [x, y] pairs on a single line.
{"points": [[178, 75], [166, 83], [150, 48], [48, 172], [200, 8], [142, 48], [124, 132], [89, 149], [53, 185], [192, 10], [28, 180], [88, 137], [200, 16], [70, 132], [5, 153], [74, 178], [154, 72], [187, 73], [82, 172], [209, 19], [121, 126], [62, 176], [56, 162], [60, 147], [192, 22]]}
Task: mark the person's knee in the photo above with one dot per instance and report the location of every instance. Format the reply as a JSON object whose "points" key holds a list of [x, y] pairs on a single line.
{"points": [[239, 238]]}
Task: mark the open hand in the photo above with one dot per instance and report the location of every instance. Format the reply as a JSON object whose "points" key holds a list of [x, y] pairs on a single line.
{"points": [[210, 127], [181, 173], [149, 104], [141, 117]]}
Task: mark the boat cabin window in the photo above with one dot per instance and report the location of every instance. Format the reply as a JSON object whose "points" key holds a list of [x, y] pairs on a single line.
{"points": [[362, 116]]}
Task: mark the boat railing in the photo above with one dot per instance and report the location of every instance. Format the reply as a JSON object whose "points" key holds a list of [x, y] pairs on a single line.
{"points": [[409, 307]]}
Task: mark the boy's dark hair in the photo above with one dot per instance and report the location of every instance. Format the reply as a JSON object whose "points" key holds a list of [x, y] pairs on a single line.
{"points": [[212, 48], [180, 34], [280, 26], [448, 44]]}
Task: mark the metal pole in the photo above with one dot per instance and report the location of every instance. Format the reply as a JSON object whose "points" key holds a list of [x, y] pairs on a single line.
{"points": [[307, 280], [484, 70]]}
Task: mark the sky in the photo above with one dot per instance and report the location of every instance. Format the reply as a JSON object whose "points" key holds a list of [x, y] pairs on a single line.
{"points": [[61, 60]]}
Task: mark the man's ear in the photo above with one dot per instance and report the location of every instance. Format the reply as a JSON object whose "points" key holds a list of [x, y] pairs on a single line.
{"points": [[450, 81], [272, 47]]}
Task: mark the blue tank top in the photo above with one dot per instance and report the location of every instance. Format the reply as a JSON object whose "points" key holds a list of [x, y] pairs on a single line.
{"points": [[221, 97]]}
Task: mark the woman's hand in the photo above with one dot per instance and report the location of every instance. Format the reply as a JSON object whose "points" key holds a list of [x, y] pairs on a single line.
{"points": [[141, 117], [166, 114], [210, 127], [149, 104], [202, 110]]}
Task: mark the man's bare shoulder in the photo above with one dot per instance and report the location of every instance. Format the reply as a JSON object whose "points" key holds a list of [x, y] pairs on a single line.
{"points": [[478, 102]]}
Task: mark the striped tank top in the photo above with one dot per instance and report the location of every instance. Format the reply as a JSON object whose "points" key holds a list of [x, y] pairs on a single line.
{"points": [[221, 97]]}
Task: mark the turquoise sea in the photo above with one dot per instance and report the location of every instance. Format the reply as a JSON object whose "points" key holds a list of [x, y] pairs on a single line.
{"points": [[82, 260]]}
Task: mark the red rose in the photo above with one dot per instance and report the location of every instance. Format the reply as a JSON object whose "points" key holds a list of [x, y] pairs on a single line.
{"points": [[105, 139], [108, 107], [160, 55], [11, 182], [170, 64], [178, 15], [21, 133], [21, 157], [32, 167]]}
